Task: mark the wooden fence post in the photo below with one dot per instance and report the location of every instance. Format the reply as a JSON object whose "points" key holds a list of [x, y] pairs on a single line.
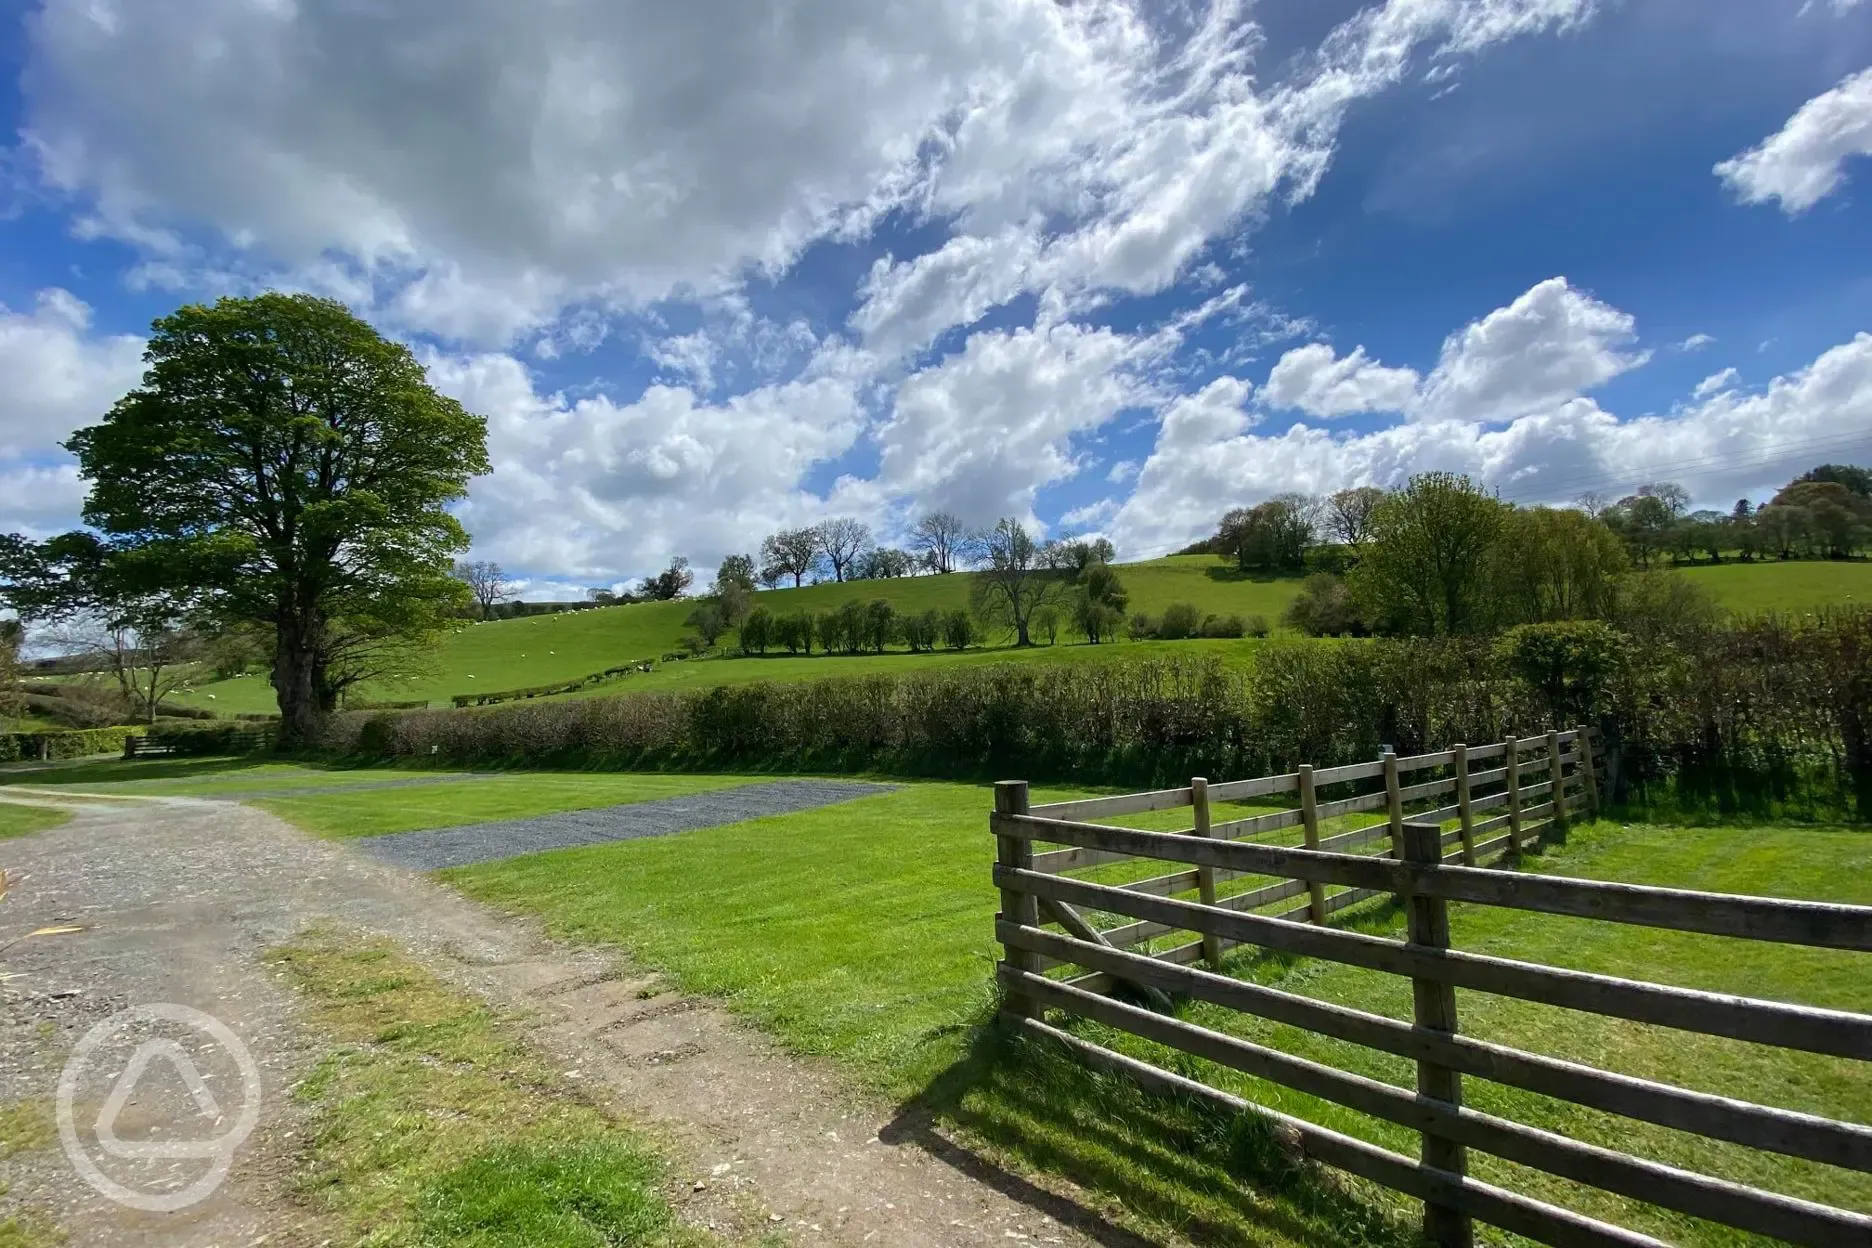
{"points": [[1589, 779], [1557, 774], [1434, 1007], [1309, 824], [1205, 876], [1394, 803], [1514, 797], [1459, 758], [1020, 908]]}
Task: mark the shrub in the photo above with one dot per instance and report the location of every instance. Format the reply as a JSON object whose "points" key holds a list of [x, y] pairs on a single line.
{"points": [[1143, 627], [247, 738], [1326, 608], [1223, 626], [1181, 620], [58, 745], [1045, 622], [922, 632], [1570, 664], [958, 630], [1257, 626], [757, 631]]}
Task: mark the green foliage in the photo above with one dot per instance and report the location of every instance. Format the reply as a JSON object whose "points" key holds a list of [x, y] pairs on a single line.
{"points": [[1661, 606], [1554, 564], [1222, 627], [286, 465], [80, 743], [737, 570], [1853, 477], [1425, 569], [669, 584], [757, 631], [1180, 620], [1326, 608], [1569, 664], [958, 630]]}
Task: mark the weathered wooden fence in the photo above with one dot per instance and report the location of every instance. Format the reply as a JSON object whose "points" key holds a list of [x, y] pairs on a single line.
{"points": [[1047, 921]]}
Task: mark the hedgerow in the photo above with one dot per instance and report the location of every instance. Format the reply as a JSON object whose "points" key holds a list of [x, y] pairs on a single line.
{"points": [[1759, 712]]}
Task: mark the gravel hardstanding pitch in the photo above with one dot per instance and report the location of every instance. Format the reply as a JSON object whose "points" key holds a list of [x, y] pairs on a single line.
{"points": [[436, 848]]}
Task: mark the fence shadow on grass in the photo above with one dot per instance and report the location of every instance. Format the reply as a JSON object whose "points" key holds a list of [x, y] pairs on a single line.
{"points": [[1215, 1178]]}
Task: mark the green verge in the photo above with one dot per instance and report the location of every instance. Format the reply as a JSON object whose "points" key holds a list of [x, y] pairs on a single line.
{"points": [[434, 1125], [18, 820], [26, 1126], [863, 931]]}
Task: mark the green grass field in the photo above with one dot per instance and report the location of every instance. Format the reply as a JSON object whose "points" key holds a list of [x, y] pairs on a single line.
{"points": [[21, 820], [509, 654], [539, 650], [888, 971], [1752, 588]]}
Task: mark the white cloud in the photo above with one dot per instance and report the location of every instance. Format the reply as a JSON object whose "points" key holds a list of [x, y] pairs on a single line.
{"points": [[477, 165], [55, 375], [1695, 342], [1122, 471], [39, 499], [980, 433], [1715, 383], [1314, 380], [594, 488], [1726, 445], [1549, 345], [1801, 164], [1089, 517]]}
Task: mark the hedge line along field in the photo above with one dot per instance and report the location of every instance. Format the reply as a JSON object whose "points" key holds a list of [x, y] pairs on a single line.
{"points": [[540, 650]]}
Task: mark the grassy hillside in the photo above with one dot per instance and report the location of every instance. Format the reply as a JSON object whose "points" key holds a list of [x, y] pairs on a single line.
{"points": [[548, 649]]}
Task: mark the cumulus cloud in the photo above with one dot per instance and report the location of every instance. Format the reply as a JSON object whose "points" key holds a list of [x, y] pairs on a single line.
{"points": [[1695, 342], [1803, 162], [1314, 380], [1724, 445], [1549, 345], [55, 375], [981, 432], [596, 488]]}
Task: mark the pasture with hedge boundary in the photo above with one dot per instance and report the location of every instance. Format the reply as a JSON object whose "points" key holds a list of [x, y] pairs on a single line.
{"points": [[1764, 715]]}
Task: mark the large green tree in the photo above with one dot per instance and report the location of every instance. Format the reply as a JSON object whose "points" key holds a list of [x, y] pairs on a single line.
{"points": [[1426, 565], [290, 467]]}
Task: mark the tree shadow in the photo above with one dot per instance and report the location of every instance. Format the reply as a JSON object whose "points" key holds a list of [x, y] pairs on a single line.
{"points": [[1228, 573], [117, 771]]}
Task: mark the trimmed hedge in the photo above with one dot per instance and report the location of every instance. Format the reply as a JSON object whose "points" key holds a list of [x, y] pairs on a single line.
{"points": [[75, 744], [250, 738], [1769, 711]]}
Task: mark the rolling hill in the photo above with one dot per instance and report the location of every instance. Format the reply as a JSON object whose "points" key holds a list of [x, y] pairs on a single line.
{"points": [[551, 649]]}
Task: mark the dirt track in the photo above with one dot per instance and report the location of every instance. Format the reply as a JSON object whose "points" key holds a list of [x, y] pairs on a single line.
{"points": [[181, 898]]}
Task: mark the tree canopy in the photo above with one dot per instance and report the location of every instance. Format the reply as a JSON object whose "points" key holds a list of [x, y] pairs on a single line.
{"points": [[285, 464]]}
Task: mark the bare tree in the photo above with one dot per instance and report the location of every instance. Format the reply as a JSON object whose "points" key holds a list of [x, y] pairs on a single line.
{"points": [[790, 552], [1349, 514], [939, 538], [147, 651], [1593, 503], [486, 582], [1015, 581], [841, 541]]}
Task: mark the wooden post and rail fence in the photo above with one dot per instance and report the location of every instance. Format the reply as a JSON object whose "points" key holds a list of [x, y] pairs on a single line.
{"points": [[1056, 958]]}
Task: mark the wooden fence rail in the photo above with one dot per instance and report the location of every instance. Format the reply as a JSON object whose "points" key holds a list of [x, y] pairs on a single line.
{"points": [[1050, 920]]}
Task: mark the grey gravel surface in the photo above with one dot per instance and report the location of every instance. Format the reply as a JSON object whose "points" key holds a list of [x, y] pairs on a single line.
{"points": [[462, 846]]}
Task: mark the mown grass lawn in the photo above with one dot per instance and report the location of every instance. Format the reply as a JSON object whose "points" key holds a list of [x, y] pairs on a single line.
{"points": [[199, 777], [21, 820], [863, 931]]}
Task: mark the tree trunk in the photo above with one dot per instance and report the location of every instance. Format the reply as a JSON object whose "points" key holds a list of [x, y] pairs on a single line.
{"points": [[295, 682]]}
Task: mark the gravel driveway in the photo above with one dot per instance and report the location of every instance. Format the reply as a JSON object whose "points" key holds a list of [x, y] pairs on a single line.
{"points": [[179, 899], [461, 846]]}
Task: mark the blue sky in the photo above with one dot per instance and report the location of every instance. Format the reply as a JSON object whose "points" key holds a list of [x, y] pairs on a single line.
{"points": [[1109, 267]]}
